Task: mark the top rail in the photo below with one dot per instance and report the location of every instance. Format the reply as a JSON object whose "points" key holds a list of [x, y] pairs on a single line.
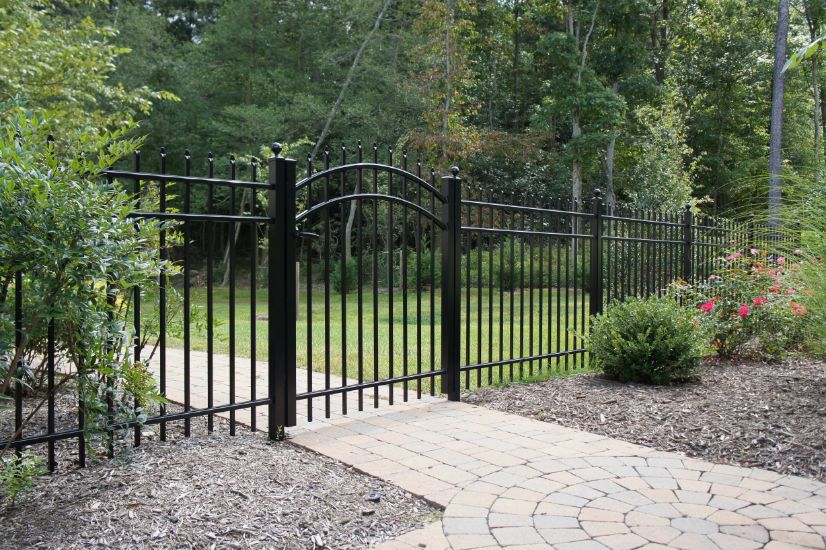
{"points": [[151, 176]]}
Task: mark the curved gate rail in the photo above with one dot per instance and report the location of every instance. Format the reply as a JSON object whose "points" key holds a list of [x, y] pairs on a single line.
{"points": [[368, 235]]}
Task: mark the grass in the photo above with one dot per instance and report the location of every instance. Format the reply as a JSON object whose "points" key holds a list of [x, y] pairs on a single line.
{"points": [[397, 338]]}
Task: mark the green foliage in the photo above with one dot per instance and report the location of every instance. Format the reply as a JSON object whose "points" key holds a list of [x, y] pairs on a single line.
{"points": [[414, 269], [653, 341], [58, 59], [69, 232], [344, 278], [17, 475], [653, 164], [809, 50], [752, 304]]}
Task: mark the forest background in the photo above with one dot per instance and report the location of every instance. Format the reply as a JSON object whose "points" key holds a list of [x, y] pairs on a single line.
{"points": [[653, 101]]}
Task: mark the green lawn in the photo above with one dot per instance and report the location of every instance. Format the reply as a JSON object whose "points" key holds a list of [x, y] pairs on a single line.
{"points": [[510, 337]]}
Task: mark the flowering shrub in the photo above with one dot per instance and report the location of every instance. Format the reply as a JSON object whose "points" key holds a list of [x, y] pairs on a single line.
{"points": [[751, 303]]}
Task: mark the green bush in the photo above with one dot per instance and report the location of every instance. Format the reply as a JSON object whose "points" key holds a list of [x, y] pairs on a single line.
{"points": [[17, 475], [412, 275], [349, 277], [654, 341], [81, 256]]}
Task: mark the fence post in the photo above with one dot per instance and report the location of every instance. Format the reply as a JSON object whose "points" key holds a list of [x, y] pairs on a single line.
{"points": [[282, 290], [595, 300], [688, 244], [451, 285]]}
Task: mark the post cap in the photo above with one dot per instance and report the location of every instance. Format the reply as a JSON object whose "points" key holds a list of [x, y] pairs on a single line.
{"points": [[454, 170], [187, 154], [597, 192], [163, 151], [210, 157], [275, 148]]}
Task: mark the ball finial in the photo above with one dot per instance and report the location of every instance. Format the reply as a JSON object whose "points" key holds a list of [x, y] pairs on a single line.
{"points": [[597, 192], [454, 170], [275, 148]]}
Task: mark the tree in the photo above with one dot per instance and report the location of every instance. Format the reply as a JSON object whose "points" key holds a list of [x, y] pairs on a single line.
{"points": [[60, 60], [776, 130]]}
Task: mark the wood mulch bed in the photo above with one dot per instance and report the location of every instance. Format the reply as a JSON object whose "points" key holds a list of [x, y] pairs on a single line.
{"points": [[770, 416], [212, 491]]}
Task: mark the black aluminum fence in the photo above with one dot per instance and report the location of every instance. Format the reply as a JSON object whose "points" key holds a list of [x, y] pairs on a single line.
{"points": [[370, 279]]}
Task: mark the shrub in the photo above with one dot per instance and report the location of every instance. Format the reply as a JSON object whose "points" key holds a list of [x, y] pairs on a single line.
{"points": [[81, 256], [751, 304], [412, 275], [348, 278], [654, 341], [17, 475]]}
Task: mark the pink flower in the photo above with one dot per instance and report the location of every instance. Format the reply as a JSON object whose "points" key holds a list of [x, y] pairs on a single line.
{"points": [[744, 311], [790, 291], [754, 251], [758, 301], [734, 256], [712, 277], [781, 260], [775, 288], [797, 309], [707, 306]]}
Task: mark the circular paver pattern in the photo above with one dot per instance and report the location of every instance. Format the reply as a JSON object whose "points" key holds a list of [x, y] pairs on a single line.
{"points": [[636, 502]]}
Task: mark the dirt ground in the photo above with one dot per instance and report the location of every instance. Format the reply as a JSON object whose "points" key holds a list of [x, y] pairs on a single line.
{"points": [[212, 491]]}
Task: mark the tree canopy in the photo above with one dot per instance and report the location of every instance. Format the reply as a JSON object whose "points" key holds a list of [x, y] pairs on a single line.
{"points": [[654, 101]]}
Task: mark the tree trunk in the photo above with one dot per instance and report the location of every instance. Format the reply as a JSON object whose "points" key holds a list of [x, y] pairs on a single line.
{"points": [[576, 127], [517, 63], [348, 229], [817, 106], [348, 237], [451, 8], [814, 32], [246, 196], [576, 167], [610, 150], [776, 128], [349, 78]]}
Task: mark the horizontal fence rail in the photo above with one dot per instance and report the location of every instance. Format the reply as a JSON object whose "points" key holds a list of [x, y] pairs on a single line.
{"points": [[368, 279]]}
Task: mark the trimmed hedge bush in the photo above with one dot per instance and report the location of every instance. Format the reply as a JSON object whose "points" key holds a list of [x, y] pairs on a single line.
{"points": [[653, 341]]}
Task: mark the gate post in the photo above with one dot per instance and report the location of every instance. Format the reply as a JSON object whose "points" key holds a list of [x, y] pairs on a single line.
{"points": [[595, 300], [688, 243], [451, 285], [282, 293]]}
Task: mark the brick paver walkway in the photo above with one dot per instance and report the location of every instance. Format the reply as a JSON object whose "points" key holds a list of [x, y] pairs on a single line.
{"points": [[514, 482]]}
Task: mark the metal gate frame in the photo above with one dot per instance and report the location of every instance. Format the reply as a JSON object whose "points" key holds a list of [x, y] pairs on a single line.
{"points": [[283, 317]]}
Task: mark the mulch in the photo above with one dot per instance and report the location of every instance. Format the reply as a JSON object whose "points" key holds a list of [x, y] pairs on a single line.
{"points": [[769, 416], [212, 491]]}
